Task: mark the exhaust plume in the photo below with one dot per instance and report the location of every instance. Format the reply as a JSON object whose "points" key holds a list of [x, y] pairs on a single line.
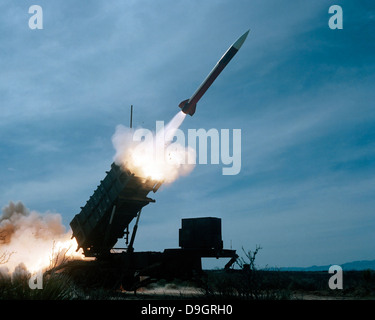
{"points": [[33, 240], [155, 156]]}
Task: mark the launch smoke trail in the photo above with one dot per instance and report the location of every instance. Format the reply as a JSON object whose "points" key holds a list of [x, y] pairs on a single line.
{"points": [[153, 155], [173, 125], [33, 239]]}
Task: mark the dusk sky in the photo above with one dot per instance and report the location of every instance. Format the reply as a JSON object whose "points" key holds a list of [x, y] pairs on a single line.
{"points": [[302, 94]]}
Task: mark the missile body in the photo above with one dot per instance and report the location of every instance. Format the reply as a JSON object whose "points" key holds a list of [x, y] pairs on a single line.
{"points": [[188, 106]]}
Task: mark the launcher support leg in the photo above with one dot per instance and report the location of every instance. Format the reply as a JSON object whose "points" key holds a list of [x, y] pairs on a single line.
{"points": [[108, 229], [130, 247]]}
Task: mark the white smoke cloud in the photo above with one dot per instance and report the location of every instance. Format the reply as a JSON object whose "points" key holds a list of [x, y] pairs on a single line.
{"points": [[30, 240], [153, 155]]}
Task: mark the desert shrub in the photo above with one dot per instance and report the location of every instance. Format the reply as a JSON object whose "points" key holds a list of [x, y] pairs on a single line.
{"points": [[247, 283], [55, 287]]}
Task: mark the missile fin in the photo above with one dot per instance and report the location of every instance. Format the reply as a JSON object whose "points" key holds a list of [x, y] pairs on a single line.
{"points": [[182, 103]]}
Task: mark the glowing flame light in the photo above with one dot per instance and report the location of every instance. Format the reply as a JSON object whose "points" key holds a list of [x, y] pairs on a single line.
{"points": [[38, 241], [155, 157]]}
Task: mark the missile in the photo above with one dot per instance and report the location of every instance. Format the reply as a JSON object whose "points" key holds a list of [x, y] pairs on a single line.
{"points": [[188, 106]]}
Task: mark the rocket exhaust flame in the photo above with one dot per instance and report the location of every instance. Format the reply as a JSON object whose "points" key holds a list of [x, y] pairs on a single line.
{"points": [[151, 155], [37, 241]]}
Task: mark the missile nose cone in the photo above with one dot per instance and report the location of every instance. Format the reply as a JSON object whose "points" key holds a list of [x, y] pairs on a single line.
{"points": [[237, 45]]}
